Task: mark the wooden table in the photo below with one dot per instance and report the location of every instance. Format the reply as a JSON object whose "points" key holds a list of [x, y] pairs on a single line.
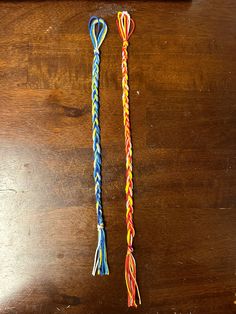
{"points": [[183, 101]]}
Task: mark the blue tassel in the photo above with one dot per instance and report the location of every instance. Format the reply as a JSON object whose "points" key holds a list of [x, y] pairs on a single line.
{"points": [[100, 260]]}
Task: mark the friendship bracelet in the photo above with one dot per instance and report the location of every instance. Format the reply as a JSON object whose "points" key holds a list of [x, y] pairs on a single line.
{"points": [[126, 27], [98, 31]]}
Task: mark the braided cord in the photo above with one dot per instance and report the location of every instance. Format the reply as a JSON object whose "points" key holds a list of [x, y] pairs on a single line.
{"points": [[98, 30], [126, 27]]}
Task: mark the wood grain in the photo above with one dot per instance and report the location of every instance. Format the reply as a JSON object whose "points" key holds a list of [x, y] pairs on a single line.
{"points": [[183, 113]]}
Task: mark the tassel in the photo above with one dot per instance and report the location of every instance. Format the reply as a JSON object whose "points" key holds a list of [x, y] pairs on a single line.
{"points": [[100, 265], [130, 279]]}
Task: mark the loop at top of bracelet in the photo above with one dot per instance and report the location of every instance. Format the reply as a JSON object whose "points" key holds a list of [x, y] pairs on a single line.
{"points": [[125, 25], [98, 30]]}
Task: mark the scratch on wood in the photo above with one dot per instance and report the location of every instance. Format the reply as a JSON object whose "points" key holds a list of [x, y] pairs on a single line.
{"points": [[8, 190], [110, 10]]}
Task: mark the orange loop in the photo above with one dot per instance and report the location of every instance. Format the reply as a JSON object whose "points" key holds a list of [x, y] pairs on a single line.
{"points": [[125, 25]]}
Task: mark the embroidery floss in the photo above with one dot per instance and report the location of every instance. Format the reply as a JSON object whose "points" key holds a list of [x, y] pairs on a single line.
{"points": [[98, 31], [126, 27]]}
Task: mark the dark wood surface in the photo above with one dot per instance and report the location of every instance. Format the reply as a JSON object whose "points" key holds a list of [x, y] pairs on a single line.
{"points": [[183, 105]]}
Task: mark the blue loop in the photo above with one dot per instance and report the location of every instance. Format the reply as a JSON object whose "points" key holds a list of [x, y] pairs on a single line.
{"points": [[97, 34]]}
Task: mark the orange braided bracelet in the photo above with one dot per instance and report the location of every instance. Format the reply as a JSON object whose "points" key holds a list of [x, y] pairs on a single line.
{"points": [[126, 27]]}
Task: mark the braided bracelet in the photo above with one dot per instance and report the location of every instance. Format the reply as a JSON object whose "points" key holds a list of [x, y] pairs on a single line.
{"points": [[98, 31], [126, 27]]}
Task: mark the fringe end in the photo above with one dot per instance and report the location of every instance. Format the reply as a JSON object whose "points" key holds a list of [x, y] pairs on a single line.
{"points": [[100, 265], [130, 278]]}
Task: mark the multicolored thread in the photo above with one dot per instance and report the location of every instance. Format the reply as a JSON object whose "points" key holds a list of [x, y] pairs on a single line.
{"points": [[126, 27], [98, 31]]}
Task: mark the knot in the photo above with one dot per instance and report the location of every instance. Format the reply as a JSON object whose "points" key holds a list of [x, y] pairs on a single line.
{"points": [[96, 51], [125, 43], [100, 226]]}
